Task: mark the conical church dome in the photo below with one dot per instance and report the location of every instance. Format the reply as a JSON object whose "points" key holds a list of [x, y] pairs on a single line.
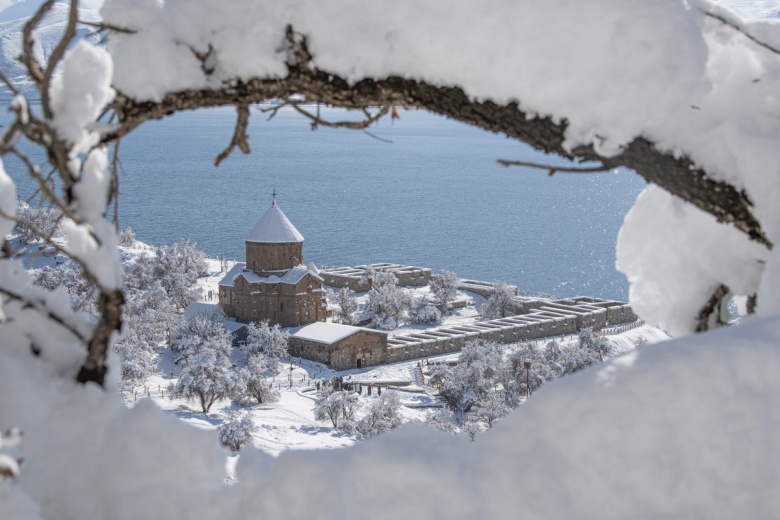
{"points": [[274, 228]]}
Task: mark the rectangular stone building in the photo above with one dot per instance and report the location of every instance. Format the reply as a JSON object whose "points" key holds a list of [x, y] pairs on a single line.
{"points": [[340, 346]]}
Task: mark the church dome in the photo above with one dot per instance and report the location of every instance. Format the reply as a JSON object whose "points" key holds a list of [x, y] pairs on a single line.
{"points": [[274, 228]]}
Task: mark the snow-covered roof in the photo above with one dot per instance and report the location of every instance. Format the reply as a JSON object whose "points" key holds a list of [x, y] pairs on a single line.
{"points": [[292, 276], [274, 227], [237, 269], [326, 333], [233, 325], [200, 309]]}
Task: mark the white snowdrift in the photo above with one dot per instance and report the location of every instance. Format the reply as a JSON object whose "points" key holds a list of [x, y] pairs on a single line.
{"points": [[680, 429]]}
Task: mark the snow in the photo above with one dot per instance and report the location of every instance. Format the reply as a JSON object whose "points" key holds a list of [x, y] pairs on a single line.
{"points": [[274, 227], [7, 202], [326, 333], [80, 93], [651, 247]]}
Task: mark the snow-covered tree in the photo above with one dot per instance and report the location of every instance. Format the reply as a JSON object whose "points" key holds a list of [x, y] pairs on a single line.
{"points": [[375, 278], [202, 331], [387, 304], [474, 377], [383, 415], [443, 420], [444, 287], [472, 427], [346, 306], [236, 430], [270, 341], [178, 267], [492, 408], [35, 223], [424, 312], [127, 237], [257, 384], [137, 358], [208, 376], [70, 276], [437, 374], [339, 407], [587, 339], [500, 303]]}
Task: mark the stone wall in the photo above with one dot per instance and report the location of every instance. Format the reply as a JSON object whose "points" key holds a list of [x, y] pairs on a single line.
{"points": [[286, 304], [273, 257], [367, 347], [536, 317], [408, 276], [513, 329]]}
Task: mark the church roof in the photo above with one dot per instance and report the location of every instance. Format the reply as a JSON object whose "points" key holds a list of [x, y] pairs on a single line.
{"points": [[274, 227], [291, 276], [326, 333]]}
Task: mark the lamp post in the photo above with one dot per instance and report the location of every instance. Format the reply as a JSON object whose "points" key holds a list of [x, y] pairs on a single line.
{"points": [[527, 366]]}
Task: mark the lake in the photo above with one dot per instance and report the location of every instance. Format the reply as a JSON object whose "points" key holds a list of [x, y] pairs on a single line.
{"points": [[433, 197]]}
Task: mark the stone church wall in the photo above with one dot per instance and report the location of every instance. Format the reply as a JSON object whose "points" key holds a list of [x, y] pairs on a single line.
{"points": [[273, 257]]}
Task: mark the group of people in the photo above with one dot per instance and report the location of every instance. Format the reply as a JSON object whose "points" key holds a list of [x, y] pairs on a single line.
{"points": [[339, 383]]}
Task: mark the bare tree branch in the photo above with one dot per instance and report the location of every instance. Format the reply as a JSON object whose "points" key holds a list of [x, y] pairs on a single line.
{"points": [[109, 321], [742, 32], [8, 83], [677, 175], [34, 69], [239, 135], [107, 27], [712, 314], [552, 170]]}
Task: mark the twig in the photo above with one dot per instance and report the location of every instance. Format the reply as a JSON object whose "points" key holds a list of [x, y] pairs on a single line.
{"points": [[384, 140], [552, 170], [742, 31], [239, 136], [115, 184], [34, 69], [41, 307], [354, 125], [46, 191], [8, 83], [47, 238], [103, 26]]}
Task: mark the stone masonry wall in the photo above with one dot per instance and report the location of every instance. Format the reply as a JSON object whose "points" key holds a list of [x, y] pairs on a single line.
{"points": [[408, 276]]}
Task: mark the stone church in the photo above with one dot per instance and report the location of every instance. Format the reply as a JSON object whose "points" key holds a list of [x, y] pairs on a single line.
{"points": [[273, 284]]}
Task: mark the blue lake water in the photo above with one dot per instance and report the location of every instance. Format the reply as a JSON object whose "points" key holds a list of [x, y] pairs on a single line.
{"points": [[434, 197]]}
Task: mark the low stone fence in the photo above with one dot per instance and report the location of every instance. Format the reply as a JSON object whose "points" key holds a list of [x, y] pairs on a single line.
{"points": [[622, 328], [512, 329], [408, 276], [545, 318]]}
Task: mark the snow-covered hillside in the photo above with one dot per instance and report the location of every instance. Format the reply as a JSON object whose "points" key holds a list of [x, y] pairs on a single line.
{"points": [[12, 20]]}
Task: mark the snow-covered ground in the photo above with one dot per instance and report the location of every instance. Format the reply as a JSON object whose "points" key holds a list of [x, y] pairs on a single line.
{"points": [[290, 424]]}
